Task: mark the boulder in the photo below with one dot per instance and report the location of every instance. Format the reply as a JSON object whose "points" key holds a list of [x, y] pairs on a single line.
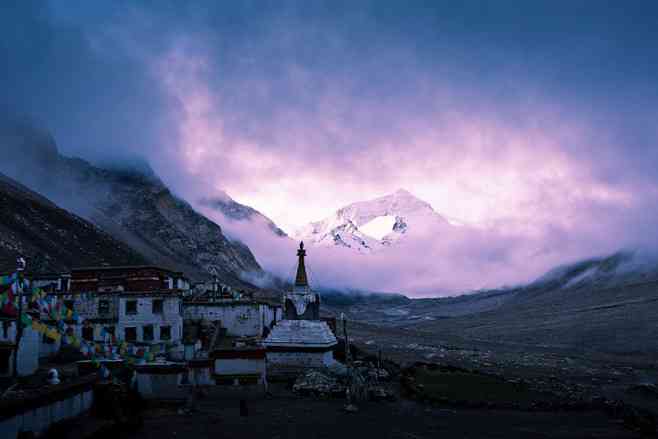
{"points": [[319, 384]]}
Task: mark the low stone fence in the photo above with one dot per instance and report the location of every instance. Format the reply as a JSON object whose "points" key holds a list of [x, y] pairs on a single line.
{"points": [[161, 381], [35, 411]]}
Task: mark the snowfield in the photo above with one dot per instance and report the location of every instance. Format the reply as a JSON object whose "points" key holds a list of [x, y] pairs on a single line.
{"points": [[373, 225], [379, 227]]}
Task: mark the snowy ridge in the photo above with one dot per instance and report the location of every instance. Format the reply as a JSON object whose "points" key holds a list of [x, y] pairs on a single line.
{"points": [[623, 267], [372, 225], [231, 210]]}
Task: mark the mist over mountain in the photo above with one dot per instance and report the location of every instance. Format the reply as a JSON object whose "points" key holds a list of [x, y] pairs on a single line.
{"points": [[399, 243], [233, 212], [394, 243], [129, 202], [49, 237]]}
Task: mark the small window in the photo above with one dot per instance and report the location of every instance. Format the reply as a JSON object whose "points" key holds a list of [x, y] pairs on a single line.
{"points": [[158, 306], [148, 332], [165, 332], [103, 307], [69, 304], [131, 307], [131, 334], [88, 333]]}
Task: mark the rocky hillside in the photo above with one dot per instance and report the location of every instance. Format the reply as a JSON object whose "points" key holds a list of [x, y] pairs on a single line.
{"points": [[50, 238], [129, 203], [231, 210], [610, 304]]}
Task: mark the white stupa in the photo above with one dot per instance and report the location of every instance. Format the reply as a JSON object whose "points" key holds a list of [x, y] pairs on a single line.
{"points": [[300, 341]]}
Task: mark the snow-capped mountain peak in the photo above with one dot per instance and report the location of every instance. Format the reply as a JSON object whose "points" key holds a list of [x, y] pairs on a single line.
{"points": [[370, 225]]}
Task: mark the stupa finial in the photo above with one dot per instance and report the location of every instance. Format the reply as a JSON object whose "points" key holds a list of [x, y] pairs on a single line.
{"points": [[301, 280]]}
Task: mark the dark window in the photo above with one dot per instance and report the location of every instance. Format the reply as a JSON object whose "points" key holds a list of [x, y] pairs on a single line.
{"points": [[110, 331], [131, 307], [158, 306], [148, 332], [103, 306], [5, 355], [131, 334], [88, 333], [165, 332], [69, 304]]}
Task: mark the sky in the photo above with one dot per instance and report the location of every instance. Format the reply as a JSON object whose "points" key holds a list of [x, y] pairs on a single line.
{"points": [[535, 117]]}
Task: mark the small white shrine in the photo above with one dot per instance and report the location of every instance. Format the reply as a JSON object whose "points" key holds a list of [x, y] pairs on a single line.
{"points": [[300, 341]]}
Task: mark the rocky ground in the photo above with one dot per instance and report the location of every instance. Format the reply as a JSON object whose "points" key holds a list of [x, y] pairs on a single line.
{"points": [[584, 342], [488, 396], [568, 373], [568, 348], [287, 415]]}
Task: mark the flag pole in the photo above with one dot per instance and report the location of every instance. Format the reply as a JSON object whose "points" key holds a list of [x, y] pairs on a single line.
{"points": [[20, 267]]}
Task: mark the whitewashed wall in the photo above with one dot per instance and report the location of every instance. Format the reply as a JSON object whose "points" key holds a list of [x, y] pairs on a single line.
{"points": [[145, 316], [240, 366], [271, 314], [201, 376], [161, 386], [28, 352], [39, 420], [46, 348], [300, 359], [239, 318], [87, 305]]}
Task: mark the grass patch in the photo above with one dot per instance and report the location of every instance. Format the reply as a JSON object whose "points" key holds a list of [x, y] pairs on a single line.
{"points": [[472, 387]]}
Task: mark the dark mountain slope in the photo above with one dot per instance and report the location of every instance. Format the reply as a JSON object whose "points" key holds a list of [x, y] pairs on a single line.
{"points": [[50, 238], [235, 211], [130, 204]]}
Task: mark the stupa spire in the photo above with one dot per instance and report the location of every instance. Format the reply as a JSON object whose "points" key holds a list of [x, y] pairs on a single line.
{"points": [[301, 280]]}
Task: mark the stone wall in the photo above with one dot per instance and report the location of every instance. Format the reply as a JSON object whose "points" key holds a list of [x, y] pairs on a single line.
{"points": [[161, 382]]}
